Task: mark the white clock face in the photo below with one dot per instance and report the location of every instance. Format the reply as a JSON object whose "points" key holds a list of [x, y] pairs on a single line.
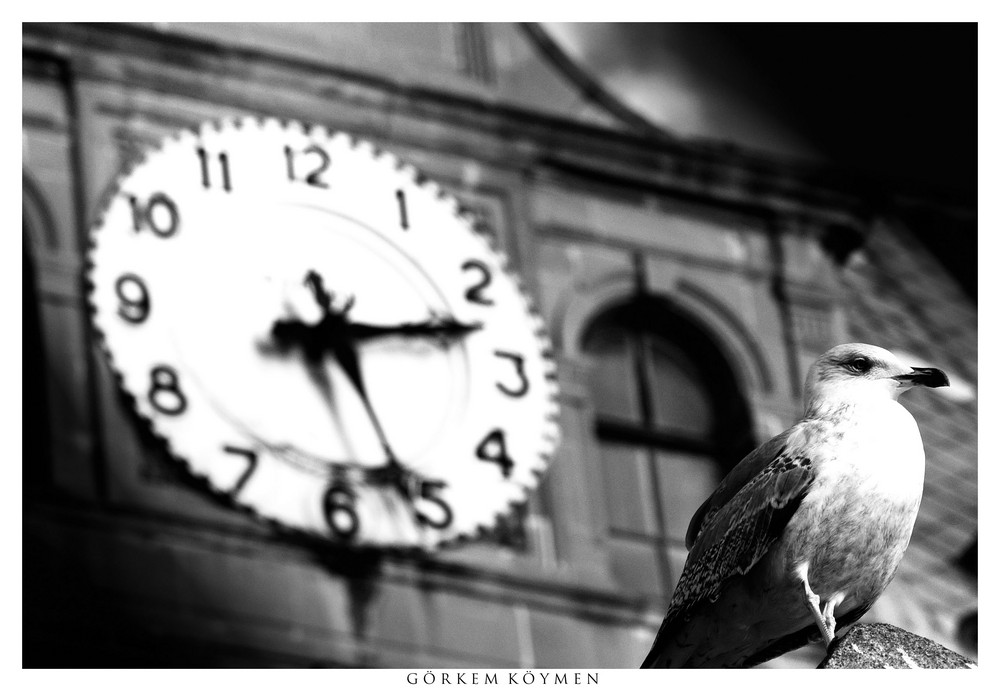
{"points": [[321, 336]]}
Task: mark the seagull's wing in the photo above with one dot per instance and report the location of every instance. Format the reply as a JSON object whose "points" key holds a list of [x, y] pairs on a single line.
{"points": [[736, 533], [744, 471]]}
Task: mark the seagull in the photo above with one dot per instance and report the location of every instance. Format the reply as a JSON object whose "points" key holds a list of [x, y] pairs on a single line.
{"points": [[805, 533]]}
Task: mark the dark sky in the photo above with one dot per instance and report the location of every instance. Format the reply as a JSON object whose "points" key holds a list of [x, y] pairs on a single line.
{"points": [[891, 106], [896, 99], [884, 99]]}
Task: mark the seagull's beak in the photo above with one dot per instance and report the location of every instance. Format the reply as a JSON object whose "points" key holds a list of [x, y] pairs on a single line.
{"points": [[924, 376]]}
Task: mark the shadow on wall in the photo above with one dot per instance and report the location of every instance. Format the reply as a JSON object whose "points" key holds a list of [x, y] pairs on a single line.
{"points": [[70, 622], [67, 622]]}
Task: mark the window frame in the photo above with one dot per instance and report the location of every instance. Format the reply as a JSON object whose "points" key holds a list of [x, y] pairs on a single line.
{"points": [[645, 318]]}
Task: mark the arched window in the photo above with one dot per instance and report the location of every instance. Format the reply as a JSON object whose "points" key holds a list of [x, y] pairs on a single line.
{"points": [[670, 422]]}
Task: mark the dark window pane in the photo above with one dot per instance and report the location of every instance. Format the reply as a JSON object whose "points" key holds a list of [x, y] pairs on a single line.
{"points": [[613, 387], [628, 489], [636, 567], [679, 396], [686, 480]]}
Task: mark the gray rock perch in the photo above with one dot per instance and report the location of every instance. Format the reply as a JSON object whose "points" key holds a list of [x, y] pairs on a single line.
{"points": [[880, 646]]}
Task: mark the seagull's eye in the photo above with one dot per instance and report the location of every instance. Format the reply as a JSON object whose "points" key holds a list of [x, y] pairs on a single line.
{"points": [[859, 364]]}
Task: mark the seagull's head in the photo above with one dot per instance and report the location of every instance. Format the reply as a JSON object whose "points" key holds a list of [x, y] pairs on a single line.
{"points": [[856, 372]]}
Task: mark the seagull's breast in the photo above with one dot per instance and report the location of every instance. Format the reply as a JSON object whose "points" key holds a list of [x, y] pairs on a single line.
{"points": [[853, 526], [880, 455]]}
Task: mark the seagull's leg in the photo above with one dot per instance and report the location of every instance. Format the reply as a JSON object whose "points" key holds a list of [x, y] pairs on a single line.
{"points": [[812, 601], [828, 618]]}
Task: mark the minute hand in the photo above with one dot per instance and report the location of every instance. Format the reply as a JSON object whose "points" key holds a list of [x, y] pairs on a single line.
{"points": [[447, 327]]}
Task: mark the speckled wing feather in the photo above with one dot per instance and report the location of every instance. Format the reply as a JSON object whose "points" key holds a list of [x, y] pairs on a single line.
{"points": [[735, 480], [736, 534]]}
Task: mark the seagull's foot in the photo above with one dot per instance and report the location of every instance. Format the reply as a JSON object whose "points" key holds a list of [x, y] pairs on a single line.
{"points": [[830, 629], [829, 621], [828, 634], [827, 629], [824, 619]]}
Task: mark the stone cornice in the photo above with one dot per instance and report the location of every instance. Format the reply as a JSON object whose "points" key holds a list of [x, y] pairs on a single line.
{"points": [[535, 143]]}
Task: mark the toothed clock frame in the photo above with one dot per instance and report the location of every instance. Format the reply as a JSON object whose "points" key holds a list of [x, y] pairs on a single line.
{"points": [[322, 334]]}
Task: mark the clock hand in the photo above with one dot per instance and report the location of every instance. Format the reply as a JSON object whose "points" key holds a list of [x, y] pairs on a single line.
{"points": [[441, 327], [336, 334], [336, 330]]}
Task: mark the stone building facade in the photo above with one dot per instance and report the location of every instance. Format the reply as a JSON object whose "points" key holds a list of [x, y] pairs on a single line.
{"points": [[686, 287]]}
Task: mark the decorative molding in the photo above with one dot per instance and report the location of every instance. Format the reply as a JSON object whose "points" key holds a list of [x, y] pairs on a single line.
{"points": [[496, 583], [590, 89], [144, 58], [739, 343]]}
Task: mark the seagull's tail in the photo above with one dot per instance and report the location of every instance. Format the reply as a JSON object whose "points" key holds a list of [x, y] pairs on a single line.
{"points": [[665, 652]]}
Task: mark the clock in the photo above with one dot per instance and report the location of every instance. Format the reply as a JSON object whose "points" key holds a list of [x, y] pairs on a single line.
{"points": [[322, 334]]}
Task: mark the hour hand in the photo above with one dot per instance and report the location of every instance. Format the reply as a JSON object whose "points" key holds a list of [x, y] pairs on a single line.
{"points": [[286, 333]]}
